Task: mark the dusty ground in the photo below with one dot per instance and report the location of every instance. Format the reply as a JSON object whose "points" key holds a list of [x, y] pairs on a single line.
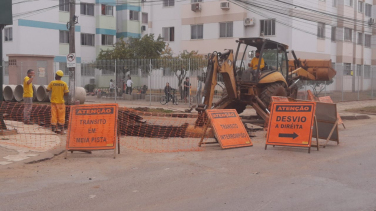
{"points": [[338, 177]]}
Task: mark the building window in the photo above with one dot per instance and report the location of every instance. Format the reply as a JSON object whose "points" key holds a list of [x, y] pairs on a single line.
{"points": [[63, 36], [197, 32], [321, 30], [360, 39], [8, 34], [168, 34], [347, 69], [168, 3], [63, 67], [348, 34], [107, 39], [226, 29], [107, 10], [145, 18], [87, 9], [133, 15], [267, 27], [358, 70], [367, 40], [87, 39], [87, 70], [360, 6], [367, 71], [334, 3], [64, 5], [195, 1], [368, 10], [349, 3], [334, 29]]}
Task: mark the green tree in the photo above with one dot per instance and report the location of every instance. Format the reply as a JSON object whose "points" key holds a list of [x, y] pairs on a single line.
{"points": [[181, 64], [135, 48], [132, 54], [318, 86]]}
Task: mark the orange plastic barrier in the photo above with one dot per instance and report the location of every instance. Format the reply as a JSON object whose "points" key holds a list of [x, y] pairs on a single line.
{"points": [[92, 127], [311, 97], [228, 128], [279, 99], [290, 124]]}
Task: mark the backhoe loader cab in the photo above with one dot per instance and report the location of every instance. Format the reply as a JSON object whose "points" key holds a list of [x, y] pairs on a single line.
{"points": [[274, 57]]}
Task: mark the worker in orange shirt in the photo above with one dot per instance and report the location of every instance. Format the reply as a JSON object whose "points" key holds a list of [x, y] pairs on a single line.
{"points": [[255, 61], [58, 89]]}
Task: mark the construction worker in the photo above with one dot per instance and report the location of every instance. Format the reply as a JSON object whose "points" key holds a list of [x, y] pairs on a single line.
{"points": [[58, 89], [255, 61], [28, 95]]}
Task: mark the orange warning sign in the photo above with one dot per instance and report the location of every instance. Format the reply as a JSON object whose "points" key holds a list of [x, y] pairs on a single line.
{"points": [[92, 127], [327, 99], [290, 124], [228, 128]]}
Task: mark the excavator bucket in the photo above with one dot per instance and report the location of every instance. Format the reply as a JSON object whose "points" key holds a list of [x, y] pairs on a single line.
{"points": [[317, 70]]}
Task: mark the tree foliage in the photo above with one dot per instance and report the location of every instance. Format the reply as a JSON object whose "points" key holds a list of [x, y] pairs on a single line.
{"points": [[135, 48], [318, 86]]}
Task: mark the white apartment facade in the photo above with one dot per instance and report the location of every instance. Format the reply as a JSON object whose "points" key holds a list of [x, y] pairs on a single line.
{"points": [[40, 28]]}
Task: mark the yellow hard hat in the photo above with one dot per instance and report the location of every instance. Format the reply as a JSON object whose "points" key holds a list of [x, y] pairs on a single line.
{"points": [[60, 73]]}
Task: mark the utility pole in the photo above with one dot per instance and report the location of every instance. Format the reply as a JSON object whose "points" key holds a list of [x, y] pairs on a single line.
{"points": [[5, 19], [72, 49], [2, 123], [355, 70]]}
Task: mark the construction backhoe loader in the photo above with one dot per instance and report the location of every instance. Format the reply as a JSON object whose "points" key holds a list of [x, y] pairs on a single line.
{"points": [[255, 86]]}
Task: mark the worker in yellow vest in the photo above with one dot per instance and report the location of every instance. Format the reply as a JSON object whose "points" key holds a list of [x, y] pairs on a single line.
{"points": [[255, 61], [28, 95], [58, 89]]}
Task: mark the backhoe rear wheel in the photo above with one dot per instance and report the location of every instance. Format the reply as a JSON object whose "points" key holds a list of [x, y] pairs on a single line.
{"points": [[273, 89]]}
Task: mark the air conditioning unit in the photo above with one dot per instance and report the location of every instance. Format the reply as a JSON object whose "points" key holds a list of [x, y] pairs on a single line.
{"points": [[225, 5], [371, 21], [143, 28], [249, 21], [196, 7]]}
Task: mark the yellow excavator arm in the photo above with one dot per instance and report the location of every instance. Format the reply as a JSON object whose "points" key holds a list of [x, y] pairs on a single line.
{"points": [[220, 63]]}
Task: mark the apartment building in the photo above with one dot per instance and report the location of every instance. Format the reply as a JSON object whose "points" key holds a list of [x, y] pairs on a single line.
{"points": [[205, 26], [40, 28], [345, 36]]}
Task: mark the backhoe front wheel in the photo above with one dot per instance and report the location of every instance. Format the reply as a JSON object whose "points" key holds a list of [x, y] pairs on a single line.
{"points": [[273, 89]]}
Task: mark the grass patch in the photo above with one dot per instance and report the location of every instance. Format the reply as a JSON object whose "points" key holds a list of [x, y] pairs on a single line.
{"points": [[364, 110]]}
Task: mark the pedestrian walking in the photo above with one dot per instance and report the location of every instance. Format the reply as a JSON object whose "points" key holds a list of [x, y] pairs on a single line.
{"points": [[112, 88], [199, 87], [58, 89], [129, 85], [28, 93], [187, 87], [168, 94]]}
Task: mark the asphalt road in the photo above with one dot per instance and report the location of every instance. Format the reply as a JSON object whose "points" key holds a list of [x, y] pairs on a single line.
{"points": [[339, 177]]}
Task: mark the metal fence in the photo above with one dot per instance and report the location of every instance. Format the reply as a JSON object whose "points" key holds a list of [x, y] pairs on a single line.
{"points": [[150, 76]]}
